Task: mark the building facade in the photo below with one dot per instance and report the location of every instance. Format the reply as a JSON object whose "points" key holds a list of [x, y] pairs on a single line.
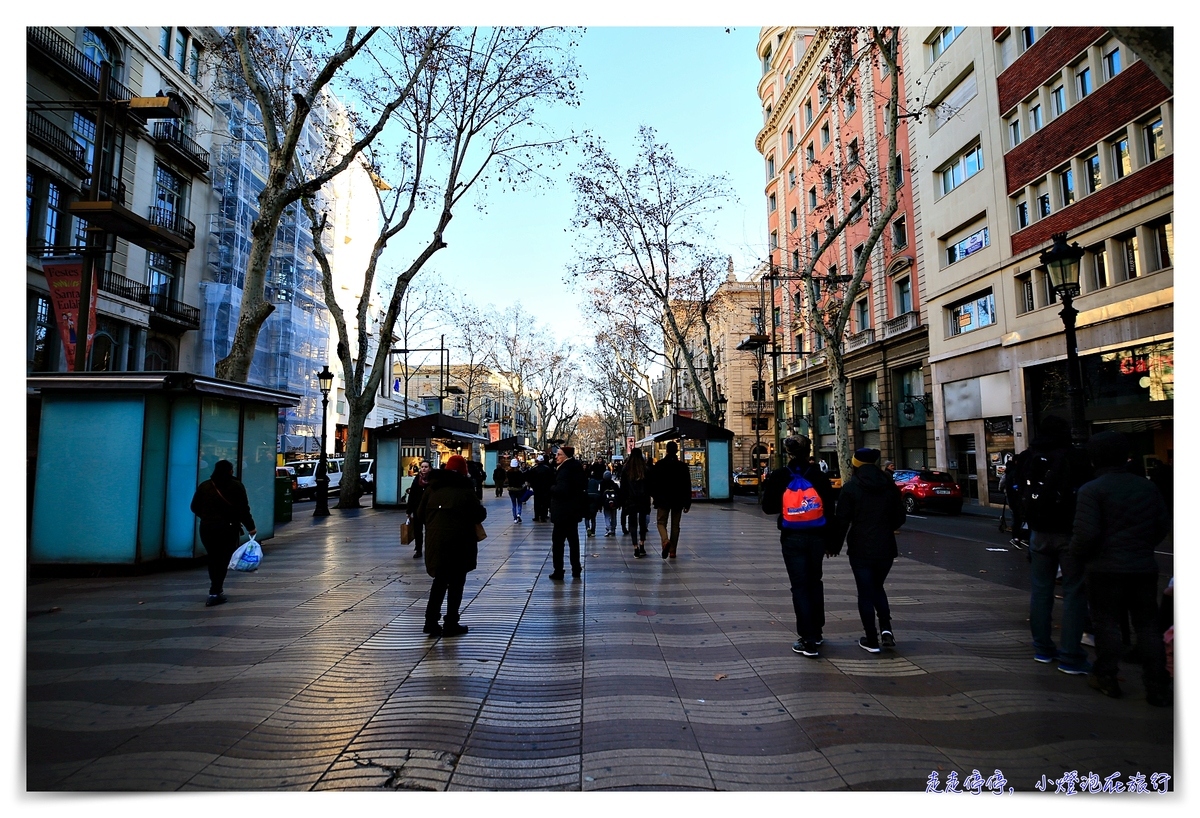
{"points": [[824, 127], [1031, 132]]}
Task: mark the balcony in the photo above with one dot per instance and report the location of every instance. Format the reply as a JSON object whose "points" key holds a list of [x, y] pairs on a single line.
{"points": [[55, 140], [110, 282], [57, 51], [754, 408], [165, 231], [171, 315], [861, 339], [901, 324], [172, 141]]}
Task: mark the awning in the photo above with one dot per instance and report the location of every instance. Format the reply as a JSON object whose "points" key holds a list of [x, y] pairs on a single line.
{"points": [[666, 434], [437, 426], [692, 429], [159, 381], [506, 444]]}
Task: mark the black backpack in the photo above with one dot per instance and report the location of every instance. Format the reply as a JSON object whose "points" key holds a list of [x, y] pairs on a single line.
{"points": [[1046, 490], [610, 498]]}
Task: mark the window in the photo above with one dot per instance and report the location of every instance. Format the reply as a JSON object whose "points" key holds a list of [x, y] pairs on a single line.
{"points": [[862, 315], [1014, 133], [1049, 294], [972, 314], [941, 41], [903, 295], [1112, 63], [1025, 293], [47, 223], [1163, 247], [962, 168], [771, 203], [899, 170], [812, 199], [810, 154], [1028, 36], [41, 342], [899, 234], [954, 100], [1043, 205], [791, 178], [799, 343], [766, 59], [83, 131], [1091, 173], [1022, 213], [180, 54], [808, 112], [194, 68], [795, 261], [774, 239], [168, 191], [54, 226], [814, 243], [1083, 82], [827, 182], [816, 283], [1156, 141], [1058, 101], [775, 317], [794, 220], [791, 140], [1066, 186], [160, 277], [97, 48], [851, 102], [164, 41], [756, 319], [854, 200], [1035, 118], [760, 424], [822, 92], [818, 342], [1130, 262], [858, 253], [1098, 255], [971, 244], [1120, 159], [824, 134], [770, 167], [829, 228], [852, 152]]}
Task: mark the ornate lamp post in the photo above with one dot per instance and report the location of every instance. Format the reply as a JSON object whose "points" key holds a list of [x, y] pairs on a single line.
{"points": [[1062, 265], [322, 510], [721, 402]]}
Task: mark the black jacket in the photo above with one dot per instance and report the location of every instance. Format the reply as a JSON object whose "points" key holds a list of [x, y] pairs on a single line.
{"points": [[1119, 520], [541, 478], [671, 483], [776, 485], [568, 495], [515, 480], [415, 490], [225, 504], [449, 511], [871, 508], [634, 495], [1068, 469]]}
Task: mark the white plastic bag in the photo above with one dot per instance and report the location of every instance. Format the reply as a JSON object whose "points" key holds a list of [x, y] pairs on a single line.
{"points": [[247, 557]]}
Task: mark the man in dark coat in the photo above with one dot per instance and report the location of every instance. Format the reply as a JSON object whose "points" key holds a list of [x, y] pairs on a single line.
{"points": [[449, 512], [803, 549], [541, 478], [671, 487], [871, 508], [1049, 473], [567, 498], [1119, 520], [499, 478], [223, 508]]}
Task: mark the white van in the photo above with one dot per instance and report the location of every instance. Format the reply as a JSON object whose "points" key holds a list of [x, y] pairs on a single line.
{"points": [[306, 477]]}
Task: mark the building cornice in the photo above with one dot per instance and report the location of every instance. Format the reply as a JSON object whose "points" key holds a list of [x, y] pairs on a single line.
{"points": [[789, 91]]}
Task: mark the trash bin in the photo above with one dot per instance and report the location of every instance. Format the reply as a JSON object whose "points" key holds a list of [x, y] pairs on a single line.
{"points": [[283, 499]]}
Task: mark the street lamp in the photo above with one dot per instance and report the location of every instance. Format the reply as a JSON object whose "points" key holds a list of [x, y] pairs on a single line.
{"points": [[325, 377], [1062, 265], [721, 402]]}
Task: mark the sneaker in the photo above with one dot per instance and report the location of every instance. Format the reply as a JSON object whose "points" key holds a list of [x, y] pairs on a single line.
{"points": [[454, 630], [887, 640], [417, 554], [820, 640], [805, 648], [433, 629], [666, 549], [869, 645], [557, 575], [1088, 639], [575, 573], [1082, 669], [215, 599], [1045, 658], [518, 518], [1105, 684], [609, 534]]}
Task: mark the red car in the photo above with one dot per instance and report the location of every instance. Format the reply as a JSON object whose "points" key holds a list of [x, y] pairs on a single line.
{"points": [[928, 489]]}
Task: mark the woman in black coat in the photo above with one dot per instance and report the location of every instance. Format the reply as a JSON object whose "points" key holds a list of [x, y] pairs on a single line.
{"points": [[635, 499], [414, 499], [449, 512], [223, 509]]}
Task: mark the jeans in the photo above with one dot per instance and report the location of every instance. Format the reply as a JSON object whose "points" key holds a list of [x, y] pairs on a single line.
{"points": [[673, 514], [450, 586], [610, 520], [1047, 552], [1114, 597], [517, 505], [220, 541], [565, 533], [869, 576], [638, 520], [802, 555]]}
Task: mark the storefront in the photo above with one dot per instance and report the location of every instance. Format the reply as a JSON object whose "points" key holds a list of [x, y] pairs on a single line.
{"points": [[702, 446], [502, 452], [398, 449]]}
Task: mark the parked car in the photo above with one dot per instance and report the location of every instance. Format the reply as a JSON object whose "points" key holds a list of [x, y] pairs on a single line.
{"points": [[926, 488], [745, 481], [290, 473], [306, 477]]}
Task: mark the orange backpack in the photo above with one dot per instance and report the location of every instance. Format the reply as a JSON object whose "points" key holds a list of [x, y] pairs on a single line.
{"points": [[802, 506]]}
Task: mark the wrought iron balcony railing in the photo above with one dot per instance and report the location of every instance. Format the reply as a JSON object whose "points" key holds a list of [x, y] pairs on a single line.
{"points": [[181, 312], [169, 133], [169, 219], [124, 287], [57, 141], [59, 49]]}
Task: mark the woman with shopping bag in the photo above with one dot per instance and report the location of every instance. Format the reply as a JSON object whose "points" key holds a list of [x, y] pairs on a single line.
{"points": [[223, 508], [415, 530]]}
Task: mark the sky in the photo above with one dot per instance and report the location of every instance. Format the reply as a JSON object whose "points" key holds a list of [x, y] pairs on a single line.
{"points": [[697, 87]]}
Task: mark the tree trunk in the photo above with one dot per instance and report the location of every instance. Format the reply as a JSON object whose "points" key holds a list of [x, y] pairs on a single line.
{"points": [[836, 366], [349, 491]]}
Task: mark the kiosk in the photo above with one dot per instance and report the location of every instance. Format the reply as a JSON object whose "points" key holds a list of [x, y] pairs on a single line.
{"points": [[399, 447], [702, 446]]}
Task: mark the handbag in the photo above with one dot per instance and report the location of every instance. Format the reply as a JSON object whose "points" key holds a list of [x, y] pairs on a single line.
{"points": [[480, 533], [247, 557], [525, 495], [408, 532]]}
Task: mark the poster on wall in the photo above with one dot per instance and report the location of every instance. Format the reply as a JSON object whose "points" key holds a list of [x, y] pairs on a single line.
{"points": [[63, 276]]}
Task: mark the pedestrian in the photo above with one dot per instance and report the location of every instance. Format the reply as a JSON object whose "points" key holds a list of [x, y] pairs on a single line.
{"points": [[889, 469], [609, 500], [567, 498], [1049, 473], [415, 490], [808, 532], [477, 474], [671, 487], [223, 508], [1119, 520], [594, 500], [870, 508], [515, 481], [635, 499], [541, 478], [1012, 497], [449, 511], [499, 478]]}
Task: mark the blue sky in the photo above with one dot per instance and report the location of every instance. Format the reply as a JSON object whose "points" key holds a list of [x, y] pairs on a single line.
{"points": [[697, 88]]}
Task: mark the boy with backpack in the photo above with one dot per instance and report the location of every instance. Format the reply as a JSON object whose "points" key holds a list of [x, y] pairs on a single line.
{"points": [[802, 497], [608, 499]]}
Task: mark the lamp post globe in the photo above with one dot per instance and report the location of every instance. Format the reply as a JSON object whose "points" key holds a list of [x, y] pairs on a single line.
{"points": [[325, 378]]}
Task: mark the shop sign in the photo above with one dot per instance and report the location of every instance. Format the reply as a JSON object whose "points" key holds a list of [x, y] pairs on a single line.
{"points": [[64, 276]]}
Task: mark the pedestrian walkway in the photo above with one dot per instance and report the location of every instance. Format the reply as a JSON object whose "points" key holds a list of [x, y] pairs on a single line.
{"points": [[649, 673]]}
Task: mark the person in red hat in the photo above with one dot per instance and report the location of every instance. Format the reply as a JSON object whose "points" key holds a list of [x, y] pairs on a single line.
{"points": [[449, 512]]}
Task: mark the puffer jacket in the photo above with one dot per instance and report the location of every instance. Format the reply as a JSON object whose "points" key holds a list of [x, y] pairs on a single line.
{"points": [[671, 483], [871, 507], [449, 511], [1119, 520]]}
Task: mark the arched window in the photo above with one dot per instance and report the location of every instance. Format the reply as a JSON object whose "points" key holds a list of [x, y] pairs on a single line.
{"points": [[98, 48], [103, 348], [159, 356]]}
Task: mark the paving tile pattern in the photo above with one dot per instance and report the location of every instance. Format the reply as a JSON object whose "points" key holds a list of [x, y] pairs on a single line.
{"points": [[642, 675]]}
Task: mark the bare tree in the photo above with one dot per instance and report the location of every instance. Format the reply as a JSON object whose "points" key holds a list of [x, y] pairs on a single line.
{"points": [[471, 118], [471, 342], [645, 229], [1155, 45], [553, 390]]}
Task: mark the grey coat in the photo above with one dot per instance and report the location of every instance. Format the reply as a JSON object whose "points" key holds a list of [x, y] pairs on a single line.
{"points": [[1119, 520]]}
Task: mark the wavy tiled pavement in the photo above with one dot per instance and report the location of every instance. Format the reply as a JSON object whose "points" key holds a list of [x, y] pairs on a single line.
{"points": [[644, 674]]}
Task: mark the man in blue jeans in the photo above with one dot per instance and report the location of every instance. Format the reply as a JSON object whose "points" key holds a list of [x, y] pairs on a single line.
{"points": [[803, 549], [1049, 473]]}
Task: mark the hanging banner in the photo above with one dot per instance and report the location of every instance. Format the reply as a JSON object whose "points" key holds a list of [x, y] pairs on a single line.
{"points": [[63, 276], [494, 432]]}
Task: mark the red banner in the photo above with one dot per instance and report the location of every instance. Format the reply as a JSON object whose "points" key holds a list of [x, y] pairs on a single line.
{"points": [[494, 431], [63, 276]]}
